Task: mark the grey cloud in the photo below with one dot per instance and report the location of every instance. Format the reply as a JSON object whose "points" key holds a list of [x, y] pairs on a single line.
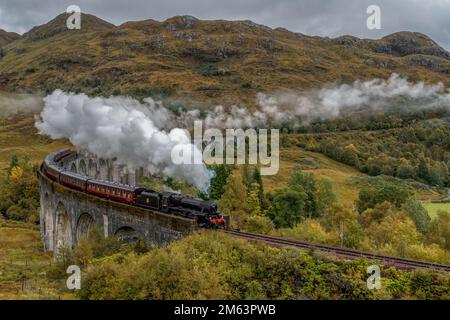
{"points": [[320, 17]]}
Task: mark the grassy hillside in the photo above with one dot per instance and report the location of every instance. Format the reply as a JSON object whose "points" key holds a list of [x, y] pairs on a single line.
{"points": [[347, 180], [434, 208], [7, 37], [320, 166], [24, 265], [19, 136], [209, 61]]}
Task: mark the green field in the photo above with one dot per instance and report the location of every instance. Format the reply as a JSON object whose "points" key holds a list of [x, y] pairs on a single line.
{"points": [[24, 265], [19, 136], [434, 208], [340, 174]]}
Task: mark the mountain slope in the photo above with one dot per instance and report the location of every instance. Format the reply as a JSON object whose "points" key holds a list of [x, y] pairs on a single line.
{"points": [[210, 61], [58, 25], [7, 37]]}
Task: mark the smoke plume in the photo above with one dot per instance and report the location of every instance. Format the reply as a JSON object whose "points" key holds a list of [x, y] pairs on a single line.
{"points": [[121, 128]]}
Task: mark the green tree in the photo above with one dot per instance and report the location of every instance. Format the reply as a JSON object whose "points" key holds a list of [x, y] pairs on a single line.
{"points": [[326, 197], [438, 174], [253, 204], [337, 219], [219, 181], [370, 196], [260, 186], [396, 230], [246, 175], [14, 162], [377, 213], [287, 207], [423, 171], [353, 234], [306, 184], [405, 170], [418, 214], [439, 231], [234, 199], [350, 155]]}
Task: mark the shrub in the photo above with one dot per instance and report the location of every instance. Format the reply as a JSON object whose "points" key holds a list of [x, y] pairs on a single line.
{"points": [[197, 267], [259, 224]]}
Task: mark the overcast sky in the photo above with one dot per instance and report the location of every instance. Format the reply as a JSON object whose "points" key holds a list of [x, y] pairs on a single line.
{"points": [[314, 17]]}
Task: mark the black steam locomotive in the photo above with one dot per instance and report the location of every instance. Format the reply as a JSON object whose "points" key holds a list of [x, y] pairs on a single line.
{"points": [[205, 212]]}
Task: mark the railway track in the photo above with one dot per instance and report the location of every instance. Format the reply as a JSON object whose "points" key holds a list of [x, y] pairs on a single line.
{"points": [[401, 263]]}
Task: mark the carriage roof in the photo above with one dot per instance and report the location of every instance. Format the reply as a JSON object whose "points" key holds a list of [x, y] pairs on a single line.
{"points": [[75, 175], [113, 185]]}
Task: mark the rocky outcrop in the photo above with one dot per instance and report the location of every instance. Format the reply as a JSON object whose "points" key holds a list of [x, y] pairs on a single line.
{"points": [[408, 43]]}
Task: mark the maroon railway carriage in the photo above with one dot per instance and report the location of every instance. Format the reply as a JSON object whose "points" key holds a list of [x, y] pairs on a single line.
{"points": [[114, 191], [51, 171], [73, 180], [50, 166], [62, 154]]}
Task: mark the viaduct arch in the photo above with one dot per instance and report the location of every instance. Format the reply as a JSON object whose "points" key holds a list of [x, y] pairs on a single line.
{"points": [[68, 215]]}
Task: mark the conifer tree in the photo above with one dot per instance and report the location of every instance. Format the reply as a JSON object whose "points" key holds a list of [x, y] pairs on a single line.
{"points": [[234, 199], [258, 180], [219, 181], [253, 201]]}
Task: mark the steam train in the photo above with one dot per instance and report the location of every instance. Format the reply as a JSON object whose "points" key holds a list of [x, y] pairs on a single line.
{"points": [[204, 212]]}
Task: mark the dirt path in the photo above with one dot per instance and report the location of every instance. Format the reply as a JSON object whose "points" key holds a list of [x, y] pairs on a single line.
{"points": [[445, 199]]}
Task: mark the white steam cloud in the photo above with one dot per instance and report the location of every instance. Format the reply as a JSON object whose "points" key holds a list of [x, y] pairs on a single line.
{"points": [[121, 128], [143, 134], [328, 103]]}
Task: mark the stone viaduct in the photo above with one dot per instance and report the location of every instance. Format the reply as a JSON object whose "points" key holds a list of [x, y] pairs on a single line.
{"points": [[67, 215]]}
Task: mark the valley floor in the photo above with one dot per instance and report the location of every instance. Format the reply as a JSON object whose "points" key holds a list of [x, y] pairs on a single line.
{"points": [[24, 265]]}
